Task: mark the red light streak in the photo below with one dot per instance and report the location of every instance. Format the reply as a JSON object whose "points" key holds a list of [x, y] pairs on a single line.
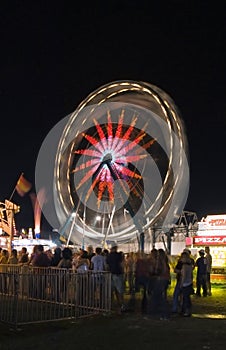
{"points": [[110, 158]]}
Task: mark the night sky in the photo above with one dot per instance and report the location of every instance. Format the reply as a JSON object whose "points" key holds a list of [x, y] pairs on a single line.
{"points": [[53, 55]]}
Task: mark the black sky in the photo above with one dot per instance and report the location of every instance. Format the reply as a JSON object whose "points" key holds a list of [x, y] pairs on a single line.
{"points": [[54, 54]]}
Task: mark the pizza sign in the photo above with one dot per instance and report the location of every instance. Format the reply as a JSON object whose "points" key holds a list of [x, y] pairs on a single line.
{"points": [[215, 220], [209, 240], [219, 222]]}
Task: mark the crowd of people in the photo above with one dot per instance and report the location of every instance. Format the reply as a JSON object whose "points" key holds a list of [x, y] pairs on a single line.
{"points": [[131, 273]]}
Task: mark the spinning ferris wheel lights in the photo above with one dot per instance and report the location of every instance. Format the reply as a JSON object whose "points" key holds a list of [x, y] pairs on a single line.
{"points": [[122, 155], [111, 153]]}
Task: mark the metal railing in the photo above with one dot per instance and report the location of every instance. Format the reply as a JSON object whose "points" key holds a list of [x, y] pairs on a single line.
{"points": [[30, 294]]}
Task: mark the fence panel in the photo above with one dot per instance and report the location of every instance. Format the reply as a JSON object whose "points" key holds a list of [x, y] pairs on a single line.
{"points": [[30, 294]]}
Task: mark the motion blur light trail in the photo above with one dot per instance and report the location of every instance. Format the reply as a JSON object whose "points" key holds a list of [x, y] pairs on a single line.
{"points": [[121, 157], [110, 158]]}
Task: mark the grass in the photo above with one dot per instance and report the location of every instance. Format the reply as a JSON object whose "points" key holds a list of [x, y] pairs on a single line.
{"points": [[206, 329]]}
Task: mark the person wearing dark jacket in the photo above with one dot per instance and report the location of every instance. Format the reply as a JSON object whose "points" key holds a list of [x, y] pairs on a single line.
{"points": [[41, 259], [201, 264], [57, 256], [115, 265]]}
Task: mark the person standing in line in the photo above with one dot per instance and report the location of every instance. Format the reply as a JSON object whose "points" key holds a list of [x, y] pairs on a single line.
{"points": [[158, 301], [38, 280], [186, 283], [105, 253], [98, 263], [201, 264], [208, 270], [152, 262], [115, 266], [142, 278], [13, 259], [12, 281], [65, 263], [129, 271], [33, 254], [66, 259], [82, 262], [4, 256], [90, 254], [177, 293], [4, 261], [23, 259], [41, 259], [57, 256]]}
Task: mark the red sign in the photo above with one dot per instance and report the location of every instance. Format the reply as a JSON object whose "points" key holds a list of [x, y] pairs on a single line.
{"points": [[209, 240], [218, 222], [188, 241]]}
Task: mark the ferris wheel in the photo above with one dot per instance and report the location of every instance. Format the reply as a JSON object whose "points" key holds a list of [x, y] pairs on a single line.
{"points": [[120, 165]]}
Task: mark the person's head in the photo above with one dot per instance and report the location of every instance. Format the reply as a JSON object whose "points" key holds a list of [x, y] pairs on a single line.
{"points": [[57, 251], [105, 252], [35, 249], [23, 250], [67, 253], [201, 252], [5, 252], [153, 254], [83, 254], [90, 249], [98, 250], [14, 252], [114, 248], [40, 248], [207, 250], [162, 255], [185, 258], [49, 253], [186, 250]]}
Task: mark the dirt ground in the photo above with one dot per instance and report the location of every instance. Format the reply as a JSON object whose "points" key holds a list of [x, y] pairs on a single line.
{"points": [[206, 329]]}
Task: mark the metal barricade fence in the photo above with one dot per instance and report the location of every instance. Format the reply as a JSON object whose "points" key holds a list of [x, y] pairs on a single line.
{"points": [[32, 294]]}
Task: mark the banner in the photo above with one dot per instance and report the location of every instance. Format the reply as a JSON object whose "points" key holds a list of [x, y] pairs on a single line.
{"points": [[209, 240]]}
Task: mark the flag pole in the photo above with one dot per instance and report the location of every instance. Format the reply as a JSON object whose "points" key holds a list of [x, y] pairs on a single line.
{"points": [[15, 186], [11, 229]]}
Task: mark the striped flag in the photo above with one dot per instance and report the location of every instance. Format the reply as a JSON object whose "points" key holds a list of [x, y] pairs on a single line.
{"points": [[23, 186]]}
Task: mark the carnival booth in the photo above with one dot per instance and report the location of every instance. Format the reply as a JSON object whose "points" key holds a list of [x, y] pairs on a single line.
{"points": [[211, 232]]}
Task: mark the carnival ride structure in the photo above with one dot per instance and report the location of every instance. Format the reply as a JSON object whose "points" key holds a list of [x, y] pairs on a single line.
{"points": [[119, 167]]}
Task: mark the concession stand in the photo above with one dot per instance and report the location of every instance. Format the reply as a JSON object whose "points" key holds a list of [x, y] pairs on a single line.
{"points": [[211, 232]]}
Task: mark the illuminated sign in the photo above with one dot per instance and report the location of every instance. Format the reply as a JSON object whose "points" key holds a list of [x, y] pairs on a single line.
{"points": [[209, 240], [188, 241], [212, 225], [216, 220]]}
